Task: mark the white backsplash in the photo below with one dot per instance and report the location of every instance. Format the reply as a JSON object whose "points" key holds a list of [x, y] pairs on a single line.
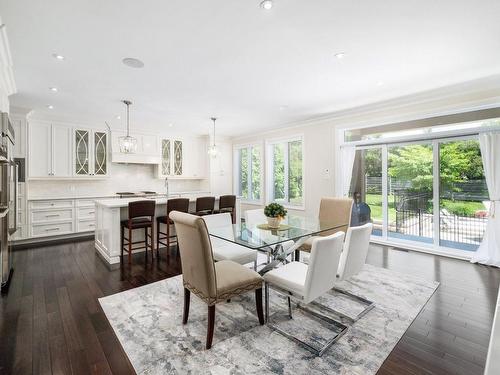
{"points": [[122, 177]]}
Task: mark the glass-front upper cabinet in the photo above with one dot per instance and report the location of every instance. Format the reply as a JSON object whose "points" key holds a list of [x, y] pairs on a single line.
{"points": [[178, 158], [82, 152], [90, 155], [166, 160], [100, 153]]}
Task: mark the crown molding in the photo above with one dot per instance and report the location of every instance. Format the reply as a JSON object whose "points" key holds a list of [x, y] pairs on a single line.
{"points": [[7, 81], [482, 93]]}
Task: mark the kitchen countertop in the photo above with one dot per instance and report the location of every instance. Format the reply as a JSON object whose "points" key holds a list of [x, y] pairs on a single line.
{"points": [[123, 202], [112, 196]]}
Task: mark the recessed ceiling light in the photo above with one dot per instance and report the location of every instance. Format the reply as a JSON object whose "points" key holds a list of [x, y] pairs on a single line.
{"points": [[50, 106], [133, 62], [340, 55], [170, 125], [53, 89], [380, 83], [118, 117], [266, 4], [283, 107], [57, 56]]}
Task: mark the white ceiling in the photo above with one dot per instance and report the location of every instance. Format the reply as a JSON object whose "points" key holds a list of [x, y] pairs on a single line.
{"points": [[236, 61]]}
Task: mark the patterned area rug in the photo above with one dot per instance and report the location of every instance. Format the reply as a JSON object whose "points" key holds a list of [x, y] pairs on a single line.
{"points": [[148, 323]]}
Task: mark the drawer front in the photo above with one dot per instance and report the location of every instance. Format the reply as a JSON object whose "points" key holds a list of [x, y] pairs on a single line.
{"points": [[51, 216], [86, 213], [85, 226], [85, 203], [51, 229], [40, 205]]}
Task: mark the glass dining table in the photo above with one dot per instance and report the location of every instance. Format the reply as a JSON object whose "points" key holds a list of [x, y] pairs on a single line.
{"points": [[280, 243]]}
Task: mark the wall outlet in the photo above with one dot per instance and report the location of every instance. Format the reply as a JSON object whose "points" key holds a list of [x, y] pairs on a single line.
{"points": [[326, 174]]}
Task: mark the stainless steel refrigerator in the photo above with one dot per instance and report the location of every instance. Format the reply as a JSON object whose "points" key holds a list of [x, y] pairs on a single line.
{"points": [[8, 198]]}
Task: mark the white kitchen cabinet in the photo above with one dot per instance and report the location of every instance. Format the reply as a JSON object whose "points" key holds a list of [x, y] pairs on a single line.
{"points": [[40, 150], [61, 151], [90, 157], [19, 123], [49, 151], [183, 158]]}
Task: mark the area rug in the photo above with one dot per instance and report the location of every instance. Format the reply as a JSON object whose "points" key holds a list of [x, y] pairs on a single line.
{"points": [[148, 323]]}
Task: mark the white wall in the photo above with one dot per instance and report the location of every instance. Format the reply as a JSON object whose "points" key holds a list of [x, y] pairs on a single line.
{"points": [[321, 135]]}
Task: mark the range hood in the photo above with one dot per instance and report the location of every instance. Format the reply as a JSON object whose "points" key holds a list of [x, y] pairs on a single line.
{"points": [[148, 149]]}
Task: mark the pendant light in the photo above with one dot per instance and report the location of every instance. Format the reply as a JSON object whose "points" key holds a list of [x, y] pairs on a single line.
{"points": [[128, 144], [212, 150]]}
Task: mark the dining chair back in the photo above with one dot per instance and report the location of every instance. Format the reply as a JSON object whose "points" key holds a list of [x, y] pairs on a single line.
{"points": [[222, 224], [205, 205], [198, 271], [355, 250], [325, 257], [255, 217], [335, 211], [143, 208]]}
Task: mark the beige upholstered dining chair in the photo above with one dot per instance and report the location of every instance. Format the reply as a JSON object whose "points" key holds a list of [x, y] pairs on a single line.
{"points": [[332, 210], [211, 282]]}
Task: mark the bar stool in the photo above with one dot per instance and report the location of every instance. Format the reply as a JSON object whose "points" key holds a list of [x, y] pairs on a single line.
{"points": [[140, 216], [205, 206], [227, 203], [176, 204]]}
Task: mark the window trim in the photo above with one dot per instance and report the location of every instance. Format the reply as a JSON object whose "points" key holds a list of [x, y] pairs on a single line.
{"points": [[236, 171], [270, 142]]}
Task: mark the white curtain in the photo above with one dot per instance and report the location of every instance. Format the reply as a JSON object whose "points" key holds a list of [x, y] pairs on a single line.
{"points": [[489, 250], [347, 155]]}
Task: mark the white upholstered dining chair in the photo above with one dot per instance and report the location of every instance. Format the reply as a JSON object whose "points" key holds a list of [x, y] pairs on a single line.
{"points": [[352, 261], [226, 250], [305, 283]]}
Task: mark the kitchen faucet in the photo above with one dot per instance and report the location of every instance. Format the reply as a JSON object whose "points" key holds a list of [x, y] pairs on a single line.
{"points": [[167, 187]]}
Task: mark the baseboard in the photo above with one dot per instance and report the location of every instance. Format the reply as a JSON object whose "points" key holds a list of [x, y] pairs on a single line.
{"points": [[31, 243]]}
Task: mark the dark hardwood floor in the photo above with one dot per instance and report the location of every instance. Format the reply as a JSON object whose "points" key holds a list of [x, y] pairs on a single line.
{"points": [[51, 322]]}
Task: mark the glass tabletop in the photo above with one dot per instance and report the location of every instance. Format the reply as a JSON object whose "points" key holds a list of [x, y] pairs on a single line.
{"points": [[257, 235]]}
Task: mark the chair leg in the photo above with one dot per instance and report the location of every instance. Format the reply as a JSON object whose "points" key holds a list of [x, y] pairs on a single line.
{"points": [[121, 243], [158, 226], [258, 305], [146, 242], [290, 307], [152, 241], [266, 292], [211, 324], [187, 299], [129, 246], [255, 265], [168, 241], [297, 255]]}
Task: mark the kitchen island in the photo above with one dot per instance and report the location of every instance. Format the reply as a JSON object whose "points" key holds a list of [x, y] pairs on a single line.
{"points": [[109, 213]]}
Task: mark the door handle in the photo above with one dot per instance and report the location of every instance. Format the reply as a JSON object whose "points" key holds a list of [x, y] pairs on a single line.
{"points": [[52, 229]]}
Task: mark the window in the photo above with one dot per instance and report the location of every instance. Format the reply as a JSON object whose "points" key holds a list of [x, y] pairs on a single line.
{"points": [[248, 172], [285, 168], [431, 192]]}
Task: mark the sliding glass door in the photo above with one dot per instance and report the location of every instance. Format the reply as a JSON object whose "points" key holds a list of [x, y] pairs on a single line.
{"points": [[431, 193], [463, 195], [410, 192]]}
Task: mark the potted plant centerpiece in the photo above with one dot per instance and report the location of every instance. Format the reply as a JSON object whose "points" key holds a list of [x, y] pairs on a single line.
{"points": [[274, 212]]}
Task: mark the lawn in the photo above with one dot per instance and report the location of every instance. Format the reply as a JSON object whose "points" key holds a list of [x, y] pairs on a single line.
{"points": [[460, 208]]}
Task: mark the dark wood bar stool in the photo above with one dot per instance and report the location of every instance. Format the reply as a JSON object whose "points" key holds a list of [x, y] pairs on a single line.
{"points": [[140, 216], [176, 204], [227, 203], [205, 206]]}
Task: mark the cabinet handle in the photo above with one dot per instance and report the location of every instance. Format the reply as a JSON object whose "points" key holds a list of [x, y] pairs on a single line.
{"points": [[52, 204], [91, 212], [52, 215], [52, 229]]}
